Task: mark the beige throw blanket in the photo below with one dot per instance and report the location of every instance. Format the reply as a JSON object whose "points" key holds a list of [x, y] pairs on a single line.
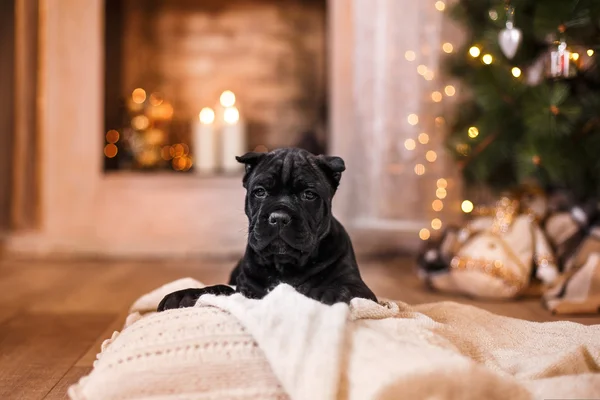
{"points": [[306, 350]]}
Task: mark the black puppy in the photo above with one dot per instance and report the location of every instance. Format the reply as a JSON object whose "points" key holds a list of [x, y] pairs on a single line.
{"points": [[293, 238]]}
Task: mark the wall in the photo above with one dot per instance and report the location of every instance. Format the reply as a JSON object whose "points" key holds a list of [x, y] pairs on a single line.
{"points": [[271, 53]]}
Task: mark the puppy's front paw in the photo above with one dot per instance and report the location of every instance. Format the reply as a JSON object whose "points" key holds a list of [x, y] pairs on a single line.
{"points": [[188, 297], [331, 296]]}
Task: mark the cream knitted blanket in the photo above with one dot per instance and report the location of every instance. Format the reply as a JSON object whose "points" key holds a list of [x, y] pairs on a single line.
{"points": [[287, 345]]}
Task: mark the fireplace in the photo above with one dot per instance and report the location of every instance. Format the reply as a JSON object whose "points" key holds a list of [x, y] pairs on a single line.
{"points": [[167, 60]]}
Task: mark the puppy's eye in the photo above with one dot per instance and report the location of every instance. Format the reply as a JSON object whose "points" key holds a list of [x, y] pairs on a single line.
{"points": [[309, 195], [260, 193]]}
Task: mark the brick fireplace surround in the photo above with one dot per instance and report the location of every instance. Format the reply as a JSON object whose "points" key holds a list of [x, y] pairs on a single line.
{"points": [[372, 90]]}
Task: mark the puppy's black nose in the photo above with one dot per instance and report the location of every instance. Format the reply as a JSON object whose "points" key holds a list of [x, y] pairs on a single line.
{"points": [[279, 218]]}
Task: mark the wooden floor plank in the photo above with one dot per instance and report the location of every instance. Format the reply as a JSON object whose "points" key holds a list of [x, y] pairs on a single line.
{"points": [[59, 391], [36, 350]]}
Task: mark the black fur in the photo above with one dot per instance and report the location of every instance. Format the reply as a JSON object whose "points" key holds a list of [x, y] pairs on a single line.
{"points": [[293, 237]]}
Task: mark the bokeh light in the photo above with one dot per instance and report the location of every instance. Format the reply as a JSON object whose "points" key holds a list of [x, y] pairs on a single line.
{"points": [[410, 144], [466, 206], [437, 205], [442, 183], [231, 115], [447, 47], [419, 169], [487, 59], [112, 136], [473, 132], [423, 138], [207, 115], [431, 156], [138, 96], [227, 98], [436, 223], [474, 51], [436, 97], [413, 119], [110, 150], [410, 55]]}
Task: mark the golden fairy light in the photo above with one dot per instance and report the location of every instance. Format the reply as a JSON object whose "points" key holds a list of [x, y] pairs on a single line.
{"points": [[419, 169], [437, 205], [473, 132], [436, 97], [410, 55], [429, 75], [440, 5], [140, 122], [447, 47], [422, 69], [487, 59], [165, 153], [188, 163], [431, 156], [575, 56], [442, 183], [474, 51], [450, 90], [138, 96], [516, 71], [227, 98], [231, 115], [413, 119], [110, 150], [178, 150], [441, 193], [424, 234], [112, 136], [207, 116], [436, 223], [466, 206], [156, 99], [410, 144], [423, 138], [590, 52]]}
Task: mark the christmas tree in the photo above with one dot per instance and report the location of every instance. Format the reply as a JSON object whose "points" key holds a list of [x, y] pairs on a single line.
{"points": [[530, 104]]}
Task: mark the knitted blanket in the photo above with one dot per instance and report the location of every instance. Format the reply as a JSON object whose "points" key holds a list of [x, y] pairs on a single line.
{"points": [[289, 346]]}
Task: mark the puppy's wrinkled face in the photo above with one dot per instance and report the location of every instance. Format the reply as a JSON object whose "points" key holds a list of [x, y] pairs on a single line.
{"points": [[288, 201]]}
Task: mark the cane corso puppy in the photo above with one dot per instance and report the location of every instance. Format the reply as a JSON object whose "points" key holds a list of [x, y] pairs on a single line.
{"points": [[292, 236]]}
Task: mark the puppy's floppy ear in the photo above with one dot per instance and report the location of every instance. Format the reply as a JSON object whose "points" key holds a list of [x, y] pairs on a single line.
{"points": [[250, 160], [333, 167]]}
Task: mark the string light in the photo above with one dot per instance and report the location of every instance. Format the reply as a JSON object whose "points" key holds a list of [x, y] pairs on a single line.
{"points": [[424, 234], [440, 5], [590, 52], [112, 136], [413, 119], [436, 223], [138, 96], [575, 56], [431, 156], [487, 59], [410, 55], [442, 183], [516, 72], [447, 47], [422, 69], [473, 132], [110, 150], [437, 205], [410, 144], [419, 169], [429, 75], [423, 138], [450, 90], [436, 97], [466, 206], [474, 51], [441, 193]]}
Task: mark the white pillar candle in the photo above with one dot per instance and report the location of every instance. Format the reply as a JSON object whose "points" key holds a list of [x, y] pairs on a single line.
{"points": [[205, 142], [233, 136]]}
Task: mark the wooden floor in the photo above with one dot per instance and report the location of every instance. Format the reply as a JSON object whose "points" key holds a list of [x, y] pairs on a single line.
{"points": [[55, 315]]}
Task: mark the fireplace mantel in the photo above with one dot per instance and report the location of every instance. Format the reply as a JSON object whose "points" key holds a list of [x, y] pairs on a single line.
{"points": [[83, 211]]}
